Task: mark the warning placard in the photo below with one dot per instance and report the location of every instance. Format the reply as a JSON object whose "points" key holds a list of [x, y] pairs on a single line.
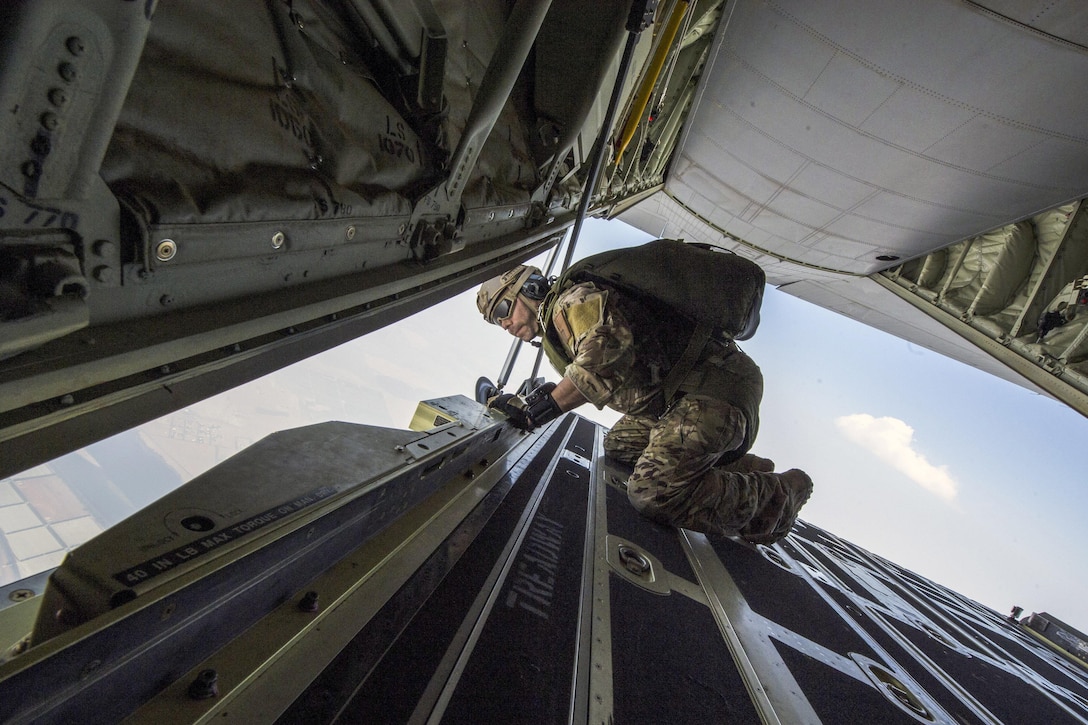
{"points": [[212, 540]]}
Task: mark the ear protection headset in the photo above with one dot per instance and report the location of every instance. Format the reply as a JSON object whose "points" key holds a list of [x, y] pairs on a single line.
{"points": [[536, 287]]}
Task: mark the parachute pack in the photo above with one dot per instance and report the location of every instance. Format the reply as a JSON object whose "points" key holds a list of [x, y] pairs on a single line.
{"points": [[711, 286]]}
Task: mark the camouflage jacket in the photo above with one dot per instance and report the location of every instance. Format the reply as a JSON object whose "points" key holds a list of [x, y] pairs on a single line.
{"points": [[618, 351]]}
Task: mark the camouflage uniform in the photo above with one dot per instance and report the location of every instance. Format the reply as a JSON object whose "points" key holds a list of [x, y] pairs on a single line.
{"points": [[688, 452]]}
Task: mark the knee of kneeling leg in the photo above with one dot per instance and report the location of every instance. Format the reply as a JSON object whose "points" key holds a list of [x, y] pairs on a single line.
{"points": [[620, 452], [645, 502]]}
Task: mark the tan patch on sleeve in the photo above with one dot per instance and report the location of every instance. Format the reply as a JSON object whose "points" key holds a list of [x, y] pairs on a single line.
{"points": [[585, 315]]}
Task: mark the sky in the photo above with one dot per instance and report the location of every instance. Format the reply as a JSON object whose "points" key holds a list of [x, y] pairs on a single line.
{"points": [[962, 477]]}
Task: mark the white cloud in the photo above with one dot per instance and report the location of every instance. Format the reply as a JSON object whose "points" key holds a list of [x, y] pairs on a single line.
{"points": [[891, 440]]}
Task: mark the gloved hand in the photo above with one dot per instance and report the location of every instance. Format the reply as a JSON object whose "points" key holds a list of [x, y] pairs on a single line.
{"points": [[541, 406], [513, 407], [527, 413]]}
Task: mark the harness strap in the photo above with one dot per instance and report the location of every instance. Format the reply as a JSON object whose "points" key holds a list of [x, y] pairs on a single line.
{"points": [[687, 360]]}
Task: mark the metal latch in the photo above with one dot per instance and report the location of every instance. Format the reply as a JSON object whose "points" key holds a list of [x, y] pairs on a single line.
{"points": [[637, 565]]}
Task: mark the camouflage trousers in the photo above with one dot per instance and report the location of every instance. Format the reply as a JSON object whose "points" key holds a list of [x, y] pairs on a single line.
{"points": [[676, 480]]}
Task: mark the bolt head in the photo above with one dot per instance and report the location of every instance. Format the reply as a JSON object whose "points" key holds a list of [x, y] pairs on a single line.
{"points": [[41, 145], [165, 250], [351, 232], [205, 686], [309, 602], [89, 669], [278, 240]]}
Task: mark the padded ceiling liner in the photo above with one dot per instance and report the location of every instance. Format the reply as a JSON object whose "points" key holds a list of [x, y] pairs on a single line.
{"points": [[833, 133]]}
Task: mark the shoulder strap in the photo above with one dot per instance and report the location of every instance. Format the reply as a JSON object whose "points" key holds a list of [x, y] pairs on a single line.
{"points": [[552, 349], [690, 356]]}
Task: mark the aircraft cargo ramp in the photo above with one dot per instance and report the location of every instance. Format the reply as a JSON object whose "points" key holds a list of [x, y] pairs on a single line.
{"points": [[473, 573]]}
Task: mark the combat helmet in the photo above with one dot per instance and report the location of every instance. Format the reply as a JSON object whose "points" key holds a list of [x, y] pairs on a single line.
{"points": [[496, 297]]}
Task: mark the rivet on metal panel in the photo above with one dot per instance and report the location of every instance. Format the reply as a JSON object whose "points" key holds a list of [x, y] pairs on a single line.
{"points": [[75, 45], [67, 399], [165, 250], [205, 686], [278, 240], [58, 97], [67, 72], [104, 248], [491, 216], [21, 595], [166, 300], [351, 233], [49, 121], [32, 169], [104, 274]]}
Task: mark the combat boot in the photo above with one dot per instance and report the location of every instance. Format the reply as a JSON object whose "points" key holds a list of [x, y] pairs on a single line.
{"points": [[775, 518]]}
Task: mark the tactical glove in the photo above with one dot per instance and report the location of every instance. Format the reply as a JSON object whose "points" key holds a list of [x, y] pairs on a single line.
{"points": [[513, 407], [541, 406], [528, 413]]}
